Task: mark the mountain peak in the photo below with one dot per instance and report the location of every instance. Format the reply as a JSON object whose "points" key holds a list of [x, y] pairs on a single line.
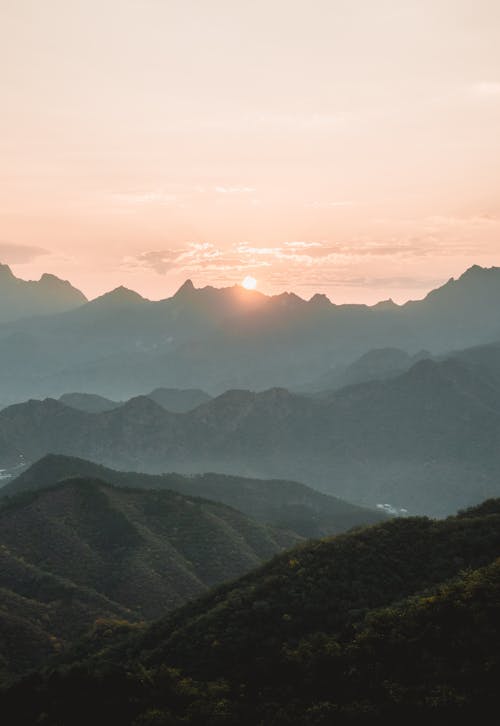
{"points": [[286, 299], [186, 289], [27, 298], [53, 283], [6, 273], [388, 304], [476, 272], [118, 297], [320, 299], [49, 279]]}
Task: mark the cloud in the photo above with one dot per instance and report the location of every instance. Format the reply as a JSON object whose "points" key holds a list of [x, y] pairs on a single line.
{"points": [[161, 261], [20, 254], [205, 257], [309, 266]]}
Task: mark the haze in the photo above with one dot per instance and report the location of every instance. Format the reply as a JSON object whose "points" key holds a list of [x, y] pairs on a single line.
{"points": [[350, 148]]}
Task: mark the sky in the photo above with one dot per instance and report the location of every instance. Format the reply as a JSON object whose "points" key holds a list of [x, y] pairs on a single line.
{"points": [[349, 147]]}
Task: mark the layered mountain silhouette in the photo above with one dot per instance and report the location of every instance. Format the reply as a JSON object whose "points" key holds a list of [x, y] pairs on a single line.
{"points": [[284, 504], [120, 344], [83, 550], [21, 298], [375, 365], [171, 399], [396, 623], [426, 441]]}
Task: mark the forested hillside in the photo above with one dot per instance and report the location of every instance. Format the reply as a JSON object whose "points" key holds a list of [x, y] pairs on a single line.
{"points": [[394, 623]]}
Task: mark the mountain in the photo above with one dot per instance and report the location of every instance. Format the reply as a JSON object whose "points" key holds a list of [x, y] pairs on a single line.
{"points": [[425, 441], [283, 504], [396, 623], [179, 400], [83, 550], [121, 344], [89, 402], [21, 298], [375, 365], [171, 399]]}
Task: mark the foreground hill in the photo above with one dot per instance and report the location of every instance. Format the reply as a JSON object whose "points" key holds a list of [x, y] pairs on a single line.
{"points": [[22, 298], [426, 441], [397, 623], [284, 504], [121, 344], [85, 549]]}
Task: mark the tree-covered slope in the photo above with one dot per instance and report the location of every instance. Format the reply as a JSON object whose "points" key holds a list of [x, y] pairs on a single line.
{"points": [[397, 623], [327, 584], [84, 549]]}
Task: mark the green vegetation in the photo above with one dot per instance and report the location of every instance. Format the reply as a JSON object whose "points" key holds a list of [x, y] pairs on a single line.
{"points": [[396, 623], [84, 550]]}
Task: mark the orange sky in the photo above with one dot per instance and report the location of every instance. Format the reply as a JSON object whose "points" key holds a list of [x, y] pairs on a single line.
{"points": [[343, 146]]}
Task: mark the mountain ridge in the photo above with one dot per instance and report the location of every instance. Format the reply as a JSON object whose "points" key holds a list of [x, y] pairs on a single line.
{"points": [[121, 344], [287, 505], [425, 440], [30, 298]]}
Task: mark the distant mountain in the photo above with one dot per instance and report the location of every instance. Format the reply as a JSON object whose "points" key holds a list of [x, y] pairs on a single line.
{"points": [[375, 365], [171, 399], [121, 345], [21, 298], [426, 441], [396, 623], [179, 400], [284, 504], [83, 550], [89, 402]]}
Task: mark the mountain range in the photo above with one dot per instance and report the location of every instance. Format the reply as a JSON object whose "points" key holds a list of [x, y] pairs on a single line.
{"points": [[171, 399], [426, 441], [121, 344]]}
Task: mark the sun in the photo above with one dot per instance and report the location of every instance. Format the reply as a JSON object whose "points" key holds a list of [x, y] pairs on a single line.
{"points": [[249, 283]]}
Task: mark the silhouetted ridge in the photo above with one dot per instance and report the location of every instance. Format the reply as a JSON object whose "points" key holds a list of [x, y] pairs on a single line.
{"points": [[388, 304], [6, 273], [185, 291], [140, 405], [476, 273], [320, 300], [28, 298], [481, 281], [89, 402], [118, 297]]}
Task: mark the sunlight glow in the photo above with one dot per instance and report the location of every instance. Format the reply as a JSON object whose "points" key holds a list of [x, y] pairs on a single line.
{"points": [[249, 283]]}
